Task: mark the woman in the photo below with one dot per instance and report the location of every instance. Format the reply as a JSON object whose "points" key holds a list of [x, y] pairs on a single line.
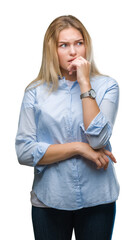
{"points": [[66, 121]]}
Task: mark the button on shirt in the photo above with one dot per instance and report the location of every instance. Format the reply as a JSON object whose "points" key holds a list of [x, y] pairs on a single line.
{"points": [[56, 118]]}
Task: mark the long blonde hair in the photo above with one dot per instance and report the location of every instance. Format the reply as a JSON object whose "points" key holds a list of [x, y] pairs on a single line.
{"points": [[50, 69]]}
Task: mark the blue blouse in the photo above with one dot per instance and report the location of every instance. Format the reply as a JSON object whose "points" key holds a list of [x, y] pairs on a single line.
{"points": [[57, 118]]}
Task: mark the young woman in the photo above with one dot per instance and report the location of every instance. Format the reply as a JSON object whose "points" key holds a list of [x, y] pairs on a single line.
{"points": [[66, 121]]}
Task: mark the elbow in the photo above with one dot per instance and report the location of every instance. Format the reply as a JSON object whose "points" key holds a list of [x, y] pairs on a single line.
{"points": [[96, 144], [24, 148], [21, 160], [25, 161], [101, 140], [23, 157], [19, 155]]}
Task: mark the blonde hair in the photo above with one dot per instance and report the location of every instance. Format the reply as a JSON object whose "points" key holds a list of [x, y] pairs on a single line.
{"points": [[50, 69]]}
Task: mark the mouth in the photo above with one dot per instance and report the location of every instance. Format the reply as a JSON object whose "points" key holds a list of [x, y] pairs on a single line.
{"points": [[71, 59]]}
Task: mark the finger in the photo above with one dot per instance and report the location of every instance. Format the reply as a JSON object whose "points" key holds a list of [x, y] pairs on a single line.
{"points": [[106, 166], [107, 161], [70, 73], [74, 64], [108, 153], [105, 158], [102, 160], [100, 166], [98, 163], [83, 59], [72, 68]]}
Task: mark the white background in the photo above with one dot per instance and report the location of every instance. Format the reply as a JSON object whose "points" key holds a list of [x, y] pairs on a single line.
{"points": [[22, 28]]}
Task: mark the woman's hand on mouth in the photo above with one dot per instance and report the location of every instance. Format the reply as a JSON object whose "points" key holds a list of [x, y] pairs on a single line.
{"points": [[82, 68]]}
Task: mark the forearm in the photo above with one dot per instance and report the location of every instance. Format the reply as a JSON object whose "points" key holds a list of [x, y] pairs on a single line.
{"points": [[90, 107], [99, 133], [59, 152]]}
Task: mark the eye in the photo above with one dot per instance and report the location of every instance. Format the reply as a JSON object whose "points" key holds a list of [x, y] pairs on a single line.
{"points": [[63, 45], [79, 43]]}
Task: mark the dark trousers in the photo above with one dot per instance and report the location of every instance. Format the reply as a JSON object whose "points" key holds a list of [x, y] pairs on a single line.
{"points": [[92, 223]]}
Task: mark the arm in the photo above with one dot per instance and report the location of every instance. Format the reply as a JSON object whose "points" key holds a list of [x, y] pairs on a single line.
{"points": [[90, 107], [29, 151], [109, 111], [97, 122], [100, 129], [60, 152]]}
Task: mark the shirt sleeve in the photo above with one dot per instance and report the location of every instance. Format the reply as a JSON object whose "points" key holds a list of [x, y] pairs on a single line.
{"points": [[29, 150], [100, 129]]}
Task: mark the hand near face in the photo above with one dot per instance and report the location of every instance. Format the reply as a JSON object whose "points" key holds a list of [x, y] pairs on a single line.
{"points": [[82, 68], [72, 55]]}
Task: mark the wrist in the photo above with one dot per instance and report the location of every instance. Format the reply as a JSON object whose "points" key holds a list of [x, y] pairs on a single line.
{"points": [[80, 146], [77, 146], [85, 86]]}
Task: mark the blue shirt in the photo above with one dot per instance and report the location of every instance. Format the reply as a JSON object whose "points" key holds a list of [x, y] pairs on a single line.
{"points": [[57, 118]]}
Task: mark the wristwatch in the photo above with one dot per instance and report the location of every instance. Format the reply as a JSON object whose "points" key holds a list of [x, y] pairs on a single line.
{"points": [[91, 93]]}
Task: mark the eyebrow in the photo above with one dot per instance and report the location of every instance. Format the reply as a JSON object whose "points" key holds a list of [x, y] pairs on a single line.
{"points": [[75, 41]]}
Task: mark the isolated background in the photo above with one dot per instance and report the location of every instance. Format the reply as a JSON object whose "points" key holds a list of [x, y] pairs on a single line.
{"points": [[22, 28]]}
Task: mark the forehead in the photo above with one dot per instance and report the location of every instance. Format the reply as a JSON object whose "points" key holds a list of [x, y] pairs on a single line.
{"points": [[69, 34]]}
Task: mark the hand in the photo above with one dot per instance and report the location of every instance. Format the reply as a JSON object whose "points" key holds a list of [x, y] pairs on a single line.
{"points": [[82, 68], [102, 159], [99, 157]]}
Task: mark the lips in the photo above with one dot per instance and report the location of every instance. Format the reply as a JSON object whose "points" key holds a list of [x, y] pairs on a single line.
{"points": [[71, 59]]}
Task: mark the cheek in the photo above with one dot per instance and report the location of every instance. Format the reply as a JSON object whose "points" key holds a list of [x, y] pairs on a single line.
{"points": [[83, 52], [61, 57]]}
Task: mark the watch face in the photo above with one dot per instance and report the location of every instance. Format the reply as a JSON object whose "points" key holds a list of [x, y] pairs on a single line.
{"points": [[92, 93]]}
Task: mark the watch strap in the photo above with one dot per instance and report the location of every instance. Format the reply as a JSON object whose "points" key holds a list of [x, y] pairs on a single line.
{"points": [[88, 94], [84, 95]]}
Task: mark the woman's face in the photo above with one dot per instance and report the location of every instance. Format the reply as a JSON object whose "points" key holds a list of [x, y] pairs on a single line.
{"points": [[70, 46]]}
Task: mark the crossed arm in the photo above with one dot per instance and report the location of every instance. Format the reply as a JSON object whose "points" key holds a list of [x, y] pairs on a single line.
{"points": [[93, 150], [60, 152], [91, 109]]}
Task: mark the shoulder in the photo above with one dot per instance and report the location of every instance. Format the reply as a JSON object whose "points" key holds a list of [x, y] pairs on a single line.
{"points": [[30, 93], [103, 80], [104, 83], [106, 88]]}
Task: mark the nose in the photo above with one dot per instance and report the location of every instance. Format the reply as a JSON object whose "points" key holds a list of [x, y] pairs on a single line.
{"points": [[72, 50]]}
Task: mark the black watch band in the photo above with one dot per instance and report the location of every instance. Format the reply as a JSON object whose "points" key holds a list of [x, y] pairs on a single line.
{"points": [[91, 93]]}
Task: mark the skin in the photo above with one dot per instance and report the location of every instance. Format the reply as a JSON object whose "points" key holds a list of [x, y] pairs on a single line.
{"points": [[74, 66], [70, 47]]}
